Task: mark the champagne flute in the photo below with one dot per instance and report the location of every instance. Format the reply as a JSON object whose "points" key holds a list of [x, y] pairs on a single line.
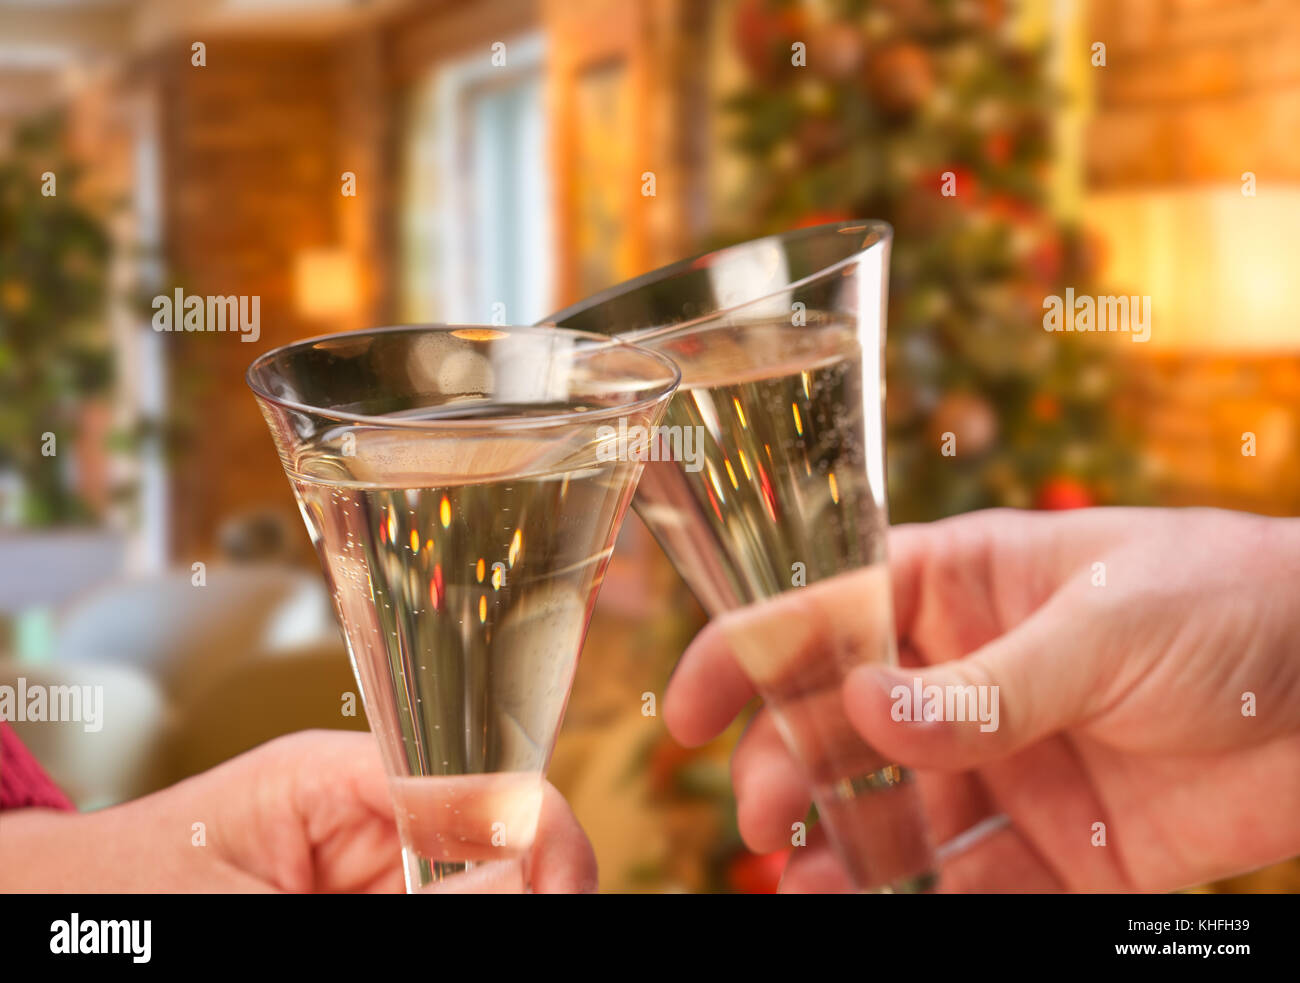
{"points": [[780, 343], [459, 486]]}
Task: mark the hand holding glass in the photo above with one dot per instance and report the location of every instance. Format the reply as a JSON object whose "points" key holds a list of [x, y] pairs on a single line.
{"points": [[454, 484], [780, 345]]}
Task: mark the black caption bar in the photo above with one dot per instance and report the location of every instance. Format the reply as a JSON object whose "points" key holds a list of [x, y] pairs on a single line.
{"points": [[143, 934]]}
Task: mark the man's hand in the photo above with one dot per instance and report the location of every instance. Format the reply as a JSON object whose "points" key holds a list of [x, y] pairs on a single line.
{"points": [[1148, 671]]}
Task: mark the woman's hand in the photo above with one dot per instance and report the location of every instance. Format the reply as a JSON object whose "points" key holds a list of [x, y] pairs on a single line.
{"points": [[306, 813]]}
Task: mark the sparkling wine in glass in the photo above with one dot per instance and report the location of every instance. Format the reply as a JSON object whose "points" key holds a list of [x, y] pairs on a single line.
{"points": [[780, 345], [459, 486]]}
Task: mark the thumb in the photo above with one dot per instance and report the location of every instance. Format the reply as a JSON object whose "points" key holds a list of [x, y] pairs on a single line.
{"points": [[1017, 689]]}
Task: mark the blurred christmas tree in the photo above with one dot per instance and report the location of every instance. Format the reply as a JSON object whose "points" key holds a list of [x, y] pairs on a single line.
{"points": [[929, 115], [54, 353]]}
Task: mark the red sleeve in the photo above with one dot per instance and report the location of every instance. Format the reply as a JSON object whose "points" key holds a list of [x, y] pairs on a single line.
{"points": [[23, 782]]}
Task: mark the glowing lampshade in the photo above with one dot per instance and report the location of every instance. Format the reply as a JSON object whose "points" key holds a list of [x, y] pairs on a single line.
{"points": [[1217, 264], [326, 284]]}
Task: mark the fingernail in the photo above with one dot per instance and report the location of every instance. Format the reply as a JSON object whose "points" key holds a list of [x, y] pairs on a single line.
{"points": [[878, 677]]}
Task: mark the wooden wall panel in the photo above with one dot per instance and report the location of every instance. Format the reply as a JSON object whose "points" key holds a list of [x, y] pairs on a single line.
{"points": [[250, 181], [625, 83], [1194, 91]]}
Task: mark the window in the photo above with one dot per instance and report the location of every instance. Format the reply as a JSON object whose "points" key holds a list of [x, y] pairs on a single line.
{"points": [[476, 216]]}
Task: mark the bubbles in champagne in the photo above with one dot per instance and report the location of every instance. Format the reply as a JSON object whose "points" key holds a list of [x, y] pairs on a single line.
{"points": [[784, 478], [784, 506], [464, 595]]}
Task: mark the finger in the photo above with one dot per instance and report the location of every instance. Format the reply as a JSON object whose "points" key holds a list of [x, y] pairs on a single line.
{"points": [[945, 583], [995, 860], [469, 818], [783, 637], [390, 879], [563, 861], [321, 818], [814, 869], [994, 568], [772, 793], [1018, 689], [781, 648], [488, 877], [909, 545], [326, 763], [1000, 862], [707, 690], [797, 647], [952, 802]]}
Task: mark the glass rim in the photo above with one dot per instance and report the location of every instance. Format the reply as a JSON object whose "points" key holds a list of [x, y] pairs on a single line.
{"points": [[881, 231], [515, 421]]}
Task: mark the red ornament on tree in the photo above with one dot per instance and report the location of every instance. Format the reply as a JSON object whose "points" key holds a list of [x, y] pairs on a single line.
{"points": [[1047, 259], [757, 873], [1046, 407], [1010, 209], [953, 181], [998, 147], [837, 51], [821, 218], [969, 418], [765, 31], [818, 139], [900, 77], [1063, 493], [666, 760]]}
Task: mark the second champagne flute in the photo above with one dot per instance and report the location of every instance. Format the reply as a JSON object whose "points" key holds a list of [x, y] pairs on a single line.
{"points": [[771, 484]]}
